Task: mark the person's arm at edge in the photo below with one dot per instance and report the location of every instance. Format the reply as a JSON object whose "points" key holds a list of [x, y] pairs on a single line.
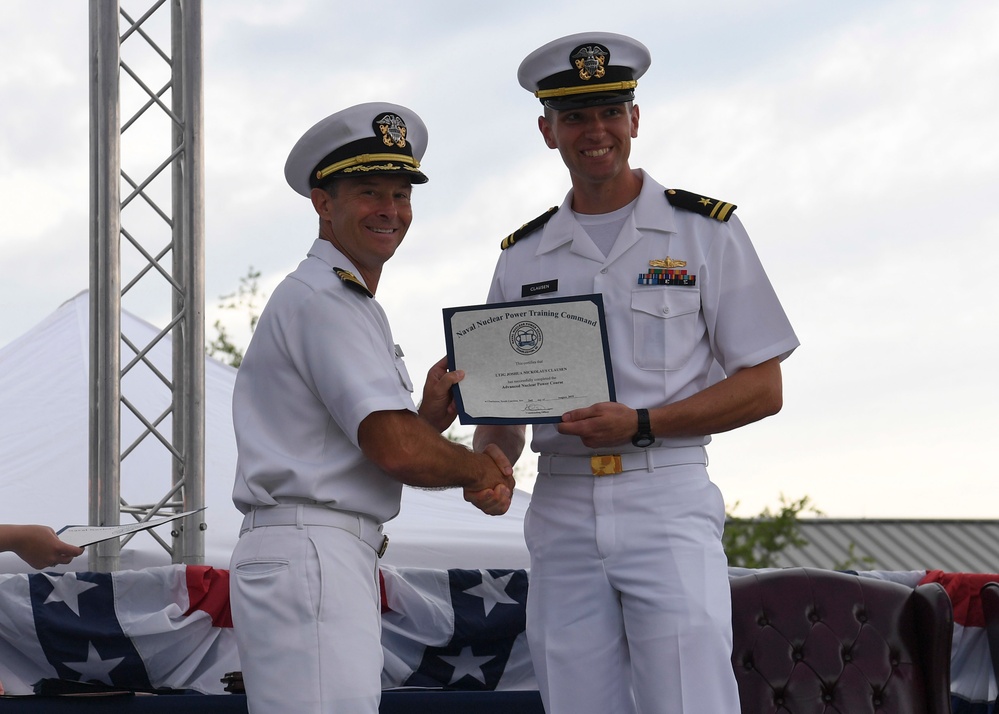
{"points": [[36, 545]]}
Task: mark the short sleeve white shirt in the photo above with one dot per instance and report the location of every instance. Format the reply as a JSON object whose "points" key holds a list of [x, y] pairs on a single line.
{"points": [[667, 342], [321, 359]]}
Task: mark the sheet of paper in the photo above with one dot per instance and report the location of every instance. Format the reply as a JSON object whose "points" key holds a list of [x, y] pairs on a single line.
{"points": [[88, 535]]}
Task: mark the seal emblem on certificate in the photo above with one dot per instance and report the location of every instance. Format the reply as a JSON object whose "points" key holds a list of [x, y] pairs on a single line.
{"points": [[529, 362]]}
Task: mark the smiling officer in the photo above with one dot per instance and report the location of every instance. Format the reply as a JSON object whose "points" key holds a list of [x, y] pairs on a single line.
{"points": [[629, 606], [327, 432]]}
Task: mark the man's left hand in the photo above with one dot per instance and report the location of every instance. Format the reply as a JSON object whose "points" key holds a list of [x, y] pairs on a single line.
{"points": [[600, 425], [438, 407]]}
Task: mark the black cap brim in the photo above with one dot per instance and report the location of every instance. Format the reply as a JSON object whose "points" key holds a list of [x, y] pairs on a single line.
{"points": [[581, 101]]}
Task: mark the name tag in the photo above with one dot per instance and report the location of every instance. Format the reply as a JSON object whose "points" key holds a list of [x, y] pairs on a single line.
{"points": [[545, 286]]}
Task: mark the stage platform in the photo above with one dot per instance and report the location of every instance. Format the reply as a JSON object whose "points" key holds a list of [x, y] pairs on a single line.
{"points": [[400, 702]]}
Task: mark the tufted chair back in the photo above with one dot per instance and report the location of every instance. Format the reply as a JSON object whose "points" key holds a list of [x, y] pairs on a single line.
{"points": [[818, 641], [990, 610]]}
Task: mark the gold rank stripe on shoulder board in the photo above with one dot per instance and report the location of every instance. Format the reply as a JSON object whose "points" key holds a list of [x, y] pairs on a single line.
{"points": [[710, 207], [527, 228], [351, 281]]}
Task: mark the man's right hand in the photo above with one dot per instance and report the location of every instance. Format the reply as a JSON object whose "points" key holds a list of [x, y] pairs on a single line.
{"points": [[491, 501], [494, 493]]}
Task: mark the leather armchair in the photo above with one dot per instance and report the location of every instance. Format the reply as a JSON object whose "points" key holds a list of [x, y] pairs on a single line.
{"points": [[990, 609], [809, 640]]}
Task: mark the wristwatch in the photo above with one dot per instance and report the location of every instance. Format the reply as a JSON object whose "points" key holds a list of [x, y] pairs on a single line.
{"points": [[644, 437]]}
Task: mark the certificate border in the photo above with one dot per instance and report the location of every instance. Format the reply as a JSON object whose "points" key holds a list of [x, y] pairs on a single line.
{"points": [[450, 312]]}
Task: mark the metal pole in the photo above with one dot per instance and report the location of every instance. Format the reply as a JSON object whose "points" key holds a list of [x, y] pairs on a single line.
{"points": [[105, 281], [189, 272]]}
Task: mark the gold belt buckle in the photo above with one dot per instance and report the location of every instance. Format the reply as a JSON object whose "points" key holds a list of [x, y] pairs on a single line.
{"points": [[606, 464]]}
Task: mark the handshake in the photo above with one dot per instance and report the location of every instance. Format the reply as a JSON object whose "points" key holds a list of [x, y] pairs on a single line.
{"points": [[493, 493]]}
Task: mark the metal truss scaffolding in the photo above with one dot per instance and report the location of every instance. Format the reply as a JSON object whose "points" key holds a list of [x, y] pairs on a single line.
{"points": [[147, 256]]}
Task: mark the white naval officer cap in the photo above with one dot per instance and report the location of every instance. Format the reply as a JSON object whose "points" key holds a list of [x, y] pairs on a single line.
{"points": [[585, 69], [375, 138]]}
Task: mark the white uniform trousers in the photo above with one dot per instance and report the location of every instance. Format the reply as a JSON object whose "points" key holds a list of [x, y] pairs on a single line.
{"points": [[629, 607], [306, 611]]}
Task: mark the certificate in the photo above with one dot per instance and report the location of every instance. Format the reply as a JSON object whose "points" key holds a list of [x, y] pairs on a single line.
{"points": [[529, 362], [88, 535]]}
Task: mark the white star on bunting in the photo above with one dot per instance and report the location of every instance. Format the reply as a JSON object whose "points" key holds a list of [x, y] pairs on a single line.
{"points": [[67, 589], [492, 591], [467, 663], [95, 668]]}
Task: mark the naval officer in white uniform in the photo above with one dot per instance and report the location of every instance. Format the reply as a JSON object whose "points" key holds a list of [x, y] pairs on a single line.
{"points": [[327, 431], [629, 605]]}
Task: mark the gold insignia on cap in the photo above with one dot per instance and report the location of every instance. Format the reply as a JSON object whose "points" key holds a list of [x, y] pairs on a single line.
{"points": [[356, 163], [393, 130], [590, 61], [380, 167], [571, 91], [667, 263]]}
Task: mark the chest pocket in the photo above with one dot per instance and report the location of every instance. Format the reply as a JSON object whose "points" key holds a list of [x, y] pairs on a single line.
{"points": [[667, 326], [400, 368]]}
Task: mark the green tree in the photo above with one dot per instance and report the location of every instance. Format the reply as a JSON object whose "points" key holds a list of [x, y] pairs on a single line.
{"points": [[248, 299], [758, 541]]}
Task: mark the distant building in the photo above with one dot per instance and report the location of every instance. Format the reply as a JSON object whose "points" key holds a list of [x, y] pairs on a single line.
{"points": [[954, 546]]}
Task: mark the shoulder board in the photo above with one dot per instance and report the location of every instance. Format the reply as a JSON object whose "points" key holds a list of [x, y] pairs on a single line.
{"points": [[351, 281], [710, 207], [528, 228]]}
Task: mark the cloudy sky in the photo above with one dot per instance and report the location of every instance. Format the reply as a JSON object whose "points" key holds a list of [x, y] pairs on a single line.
{"points": [[857, 138]]}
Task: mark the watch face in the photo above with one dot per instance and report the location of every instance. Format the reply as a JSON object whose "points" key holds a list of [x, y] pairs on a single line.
{"points": [[643, 439]]}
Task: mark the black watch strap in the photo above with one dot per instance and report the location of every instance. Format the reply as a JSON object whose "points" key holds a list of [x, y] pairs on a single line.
{"points": [[644, 436]]}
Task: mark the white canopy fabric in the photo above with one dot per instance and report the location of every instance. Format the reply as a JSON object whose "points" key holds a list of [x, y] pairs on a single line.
{"points": [[44, 433]]}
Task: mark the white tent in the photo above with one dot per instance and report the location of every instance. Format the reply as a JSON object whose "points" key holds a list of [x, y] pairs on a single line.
{"points": [[44, 435]]}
